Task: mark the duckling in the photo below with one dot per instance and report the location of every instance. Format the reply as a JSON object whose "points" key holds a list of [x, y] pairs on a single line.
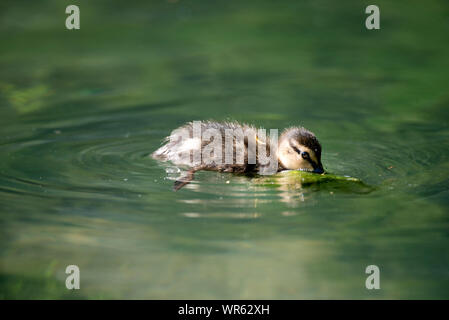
{"points": [[296, 149]]}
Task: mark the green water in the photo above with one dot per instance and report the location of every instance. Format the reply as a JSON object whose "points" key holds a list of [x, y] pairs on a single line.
{"points": [[81, 110]]}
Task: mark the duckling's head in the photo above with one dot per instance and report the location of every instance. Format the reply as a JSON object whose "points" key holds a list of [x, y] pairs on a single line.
{"points": [[299, 149]]}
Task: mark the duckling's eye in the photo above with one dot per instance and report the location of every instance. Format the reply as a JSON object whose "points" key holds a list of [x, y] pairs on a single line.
{"points": [[305, 155]]}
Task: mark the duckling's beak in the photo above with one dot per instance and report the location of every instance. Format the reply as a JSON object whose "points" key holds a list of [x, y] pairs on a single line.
{"points": [[319, 169]]}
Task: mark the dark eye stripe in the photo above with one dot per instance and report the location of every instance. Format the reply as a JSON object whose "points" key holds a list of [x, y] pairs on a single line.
{"points": [[294, 147], [297, 150], [305, 155]]}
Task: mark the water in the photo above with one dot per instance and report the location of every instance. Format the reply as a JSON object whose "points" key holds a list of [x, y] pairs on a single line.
{"points": [[81, 110]]}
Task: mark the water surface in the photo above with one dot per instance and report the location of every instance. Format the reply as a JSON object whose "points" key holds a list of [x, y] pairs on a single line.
{"points": [[81, 110]]}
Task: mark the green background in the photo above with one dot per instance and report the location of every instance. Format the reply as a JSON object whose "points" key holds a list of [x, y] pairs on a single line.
{"points": [[80, 110]]}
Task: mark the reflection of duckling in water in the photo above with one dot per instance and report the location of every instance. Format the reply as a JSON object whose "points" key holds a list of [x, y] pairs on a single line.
{"points": [[297, 149]]}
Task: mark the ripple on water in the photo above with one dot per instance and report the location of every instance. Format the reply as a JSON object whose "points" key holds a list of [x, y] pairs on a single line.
{"points": [[66, 167], [118, 166]]}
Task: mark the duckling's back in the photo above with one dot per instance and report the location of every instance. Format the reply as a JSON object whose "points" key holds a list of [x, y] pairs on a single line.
{"points": [[186, 140]]}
